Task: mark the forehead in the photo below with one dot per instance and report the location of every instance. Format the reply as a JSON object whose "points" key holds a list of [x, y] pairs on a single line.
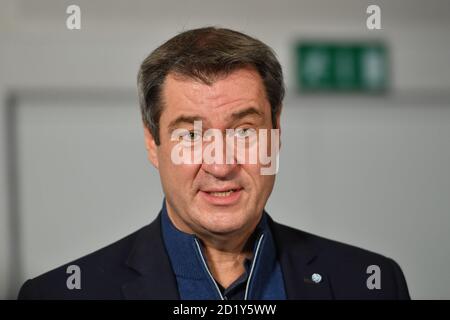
{"points": [[239, 89]]}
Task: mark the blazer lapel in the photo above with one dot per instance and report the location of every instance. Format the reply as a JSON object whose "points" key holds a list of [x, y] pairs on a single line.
{"points": [[299, 260], [156, 280]]}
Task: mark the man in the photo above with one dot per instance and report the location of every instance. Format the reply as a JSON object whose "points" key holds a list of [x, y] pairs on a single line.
{"points": [[205, 93]]}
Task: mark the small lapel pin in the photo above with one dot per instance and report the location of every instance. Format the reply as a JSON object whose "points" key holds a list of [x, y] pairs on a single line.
{"points": [[316, 278]]}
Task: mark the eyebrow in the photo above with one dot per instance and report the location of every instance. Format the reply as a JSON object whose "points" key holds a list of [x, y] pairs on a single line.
{"points": [[184, 119], [234, 116], [246, 112]]}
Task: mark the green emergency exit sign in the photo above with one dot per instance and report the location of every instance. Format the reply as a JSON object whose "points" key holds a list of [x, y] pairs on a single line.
{"points": [[342, 67]]}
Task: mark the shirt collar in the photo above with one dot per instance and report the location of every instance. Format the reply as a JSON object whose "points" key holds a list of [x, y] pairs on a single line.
{"points": [[182, 250]]}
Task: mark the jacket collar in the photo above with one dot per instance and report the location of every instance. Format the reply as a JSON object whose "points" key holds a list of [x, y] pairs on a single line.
{"points": [[299, 259], [155, 279], [148, 257]]}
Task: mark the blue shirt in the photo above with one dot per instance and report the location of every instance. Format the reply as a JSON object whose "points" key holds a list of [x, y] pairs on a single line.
{"points": [[262, 279], [236, 290]]}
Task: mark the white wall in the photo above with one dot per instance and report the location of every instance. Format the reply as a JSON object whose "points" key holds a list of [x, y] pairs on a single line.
{"points": [[375, 174], [84, 181], [406, 130]]}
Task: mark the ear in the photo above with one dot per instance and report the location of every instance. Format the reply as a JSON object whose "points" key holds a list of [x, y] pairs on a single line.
{"points": [[278, 122], [152, 148]]}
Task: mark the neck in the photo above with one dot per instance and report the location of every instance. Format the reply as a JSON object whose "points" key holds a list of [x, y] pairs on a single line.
{"points": [[225, 254], [226, 259]]}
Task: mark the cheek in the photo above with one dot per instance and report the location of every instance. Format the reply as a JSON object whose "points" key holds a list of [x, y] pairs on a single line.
{"points": [[259, 182], [253, 170], [175, 176]]}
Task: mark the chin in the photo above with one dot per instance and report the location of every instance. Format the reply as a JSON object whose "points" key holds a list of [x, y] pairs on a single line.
{"points": [[224, 225], [222, 230]]}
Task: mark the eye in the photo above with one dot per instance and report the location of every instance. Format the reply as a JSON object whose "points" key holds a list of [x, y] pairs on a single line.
{"points": [[191, 136], [244, 132]]}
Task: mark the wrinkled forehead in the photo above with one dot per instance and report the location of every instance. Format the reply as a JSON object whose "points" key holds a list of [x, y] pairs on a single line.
{"points": [[241, 89]]}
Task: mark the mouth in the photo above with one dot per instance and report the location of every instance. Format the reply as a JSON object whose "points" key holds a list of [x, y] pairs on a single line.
{"points": [[224, 196], [221, 193]]}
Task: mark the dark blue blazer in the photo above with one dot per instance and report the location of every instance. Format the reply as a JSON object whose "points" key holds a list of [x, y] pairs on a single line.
{"points": [[138, 267]]}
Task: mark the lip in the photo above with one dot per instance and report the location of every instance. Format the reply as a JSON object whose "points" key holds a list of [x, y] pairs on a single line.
{"points": [[221, 200]]}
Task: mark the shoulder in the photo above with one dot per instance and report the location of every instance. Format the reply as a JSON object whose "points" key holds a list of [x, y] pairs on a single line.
{"points": [[100, 274], [323, 246], [348, 267]]}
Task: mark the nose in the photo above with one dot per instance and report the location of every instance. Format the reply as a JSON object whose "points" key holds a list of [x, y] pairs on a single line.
{"points": [[221, 171], [226, 165]]}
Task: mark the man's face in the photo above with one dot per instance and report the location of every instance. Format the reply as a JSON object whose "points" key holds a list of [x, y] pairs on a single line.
{"points": [[198, 195]]}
